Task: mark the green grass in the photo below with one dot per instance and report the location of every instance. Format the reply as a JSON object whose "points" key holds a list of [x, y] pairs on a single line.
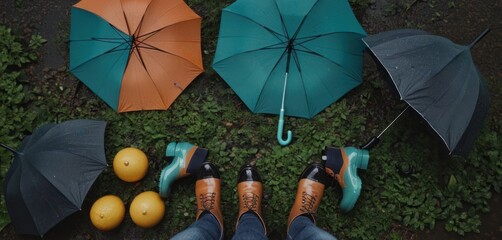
{"points": [[209, 114], [16, 119]]}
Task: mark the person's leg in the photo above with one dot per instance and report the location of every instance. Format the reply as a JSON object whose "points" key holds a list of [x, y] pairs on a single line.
{"points": [[304, 228], [249, 228], [206, 227], [250, 224], [301, 221], [209, 220]]}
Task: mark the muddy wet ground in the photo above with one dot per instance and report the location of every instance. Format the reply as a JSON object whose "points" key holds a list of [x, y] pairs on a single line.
{"points": [[459, 20]]}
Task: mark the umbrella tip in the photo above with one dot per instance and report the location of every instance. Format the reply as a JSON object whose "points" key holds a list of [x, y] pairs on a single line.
{"points": [[478, 38], [9, 148]]}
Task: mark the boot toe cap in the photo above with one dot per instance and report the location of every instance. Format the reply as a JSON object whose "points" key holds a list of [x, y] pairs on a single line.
{"points": [[208, 170], [249, 173], [315, 172]]}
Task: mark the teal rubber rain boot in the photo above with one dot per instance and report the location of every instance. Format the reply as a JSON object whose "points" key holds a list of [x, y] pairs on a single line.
{"points": [[187, 159], [342, 164]]}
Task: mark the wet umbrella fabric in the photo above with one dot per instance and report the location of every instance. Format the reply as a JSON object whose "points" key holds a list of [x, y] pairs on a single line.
{"points": [[438, 79], [52, 172], [305, 53], [135, 54]]}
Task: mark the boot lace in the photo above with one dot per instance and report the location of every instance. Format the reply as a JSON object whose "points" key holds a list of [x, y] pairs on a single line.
{"points": [[250, 201], [308, 203], [207, 201]]}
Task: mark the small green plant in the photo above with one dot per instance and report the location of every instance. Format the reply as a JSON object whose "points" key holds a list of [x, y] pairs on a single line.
{"points": [[36, 41], [16, 119]]}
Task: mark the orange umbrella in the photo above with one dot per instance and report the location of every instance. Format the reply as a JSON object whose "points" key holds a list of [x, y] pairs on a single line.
{"points": [[135, 54]]}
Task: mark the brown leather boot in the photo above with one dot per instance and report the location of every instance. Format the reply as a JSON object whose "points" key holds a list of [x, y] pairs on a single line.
{"points": [[309, 193], [208, 192], [250, 193]]}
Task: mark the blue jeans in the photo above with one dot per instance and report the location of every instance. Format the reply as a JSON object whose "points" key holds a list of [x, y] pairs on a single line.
{"points": [[206, 227], [303, 228], [250, 227]]}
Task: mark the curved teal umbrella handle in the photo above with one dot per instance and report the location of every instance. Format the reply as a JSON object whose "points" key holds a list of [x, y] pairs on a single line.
{"points": [[280, 131]]}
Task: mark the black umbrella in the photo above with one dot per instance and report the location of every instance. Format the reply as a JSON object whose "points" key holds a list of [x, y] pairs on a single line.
{"points": [[52, 172], [438, 79]]}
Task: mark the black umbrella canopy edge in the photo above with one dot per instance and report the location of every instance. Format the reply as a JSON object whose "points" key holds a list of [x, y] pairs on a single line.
{"points": [[82, 128], [465, 144]]}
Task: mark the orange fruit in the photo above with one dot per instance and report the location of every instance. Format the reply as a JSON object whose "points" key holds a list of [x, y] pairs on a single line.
{"points": [[130, 164], [147, 209], [107, 212]]}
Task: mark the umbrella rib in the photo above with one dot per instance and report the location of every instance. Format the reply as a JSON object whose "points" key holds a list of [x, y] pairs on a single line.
{"points": [[168, 10], [138, 29], [273, 46], [297, 62], [108, 40], [128, 41], [388, 73], [311, 38], [274, 33], [49, 181], [268, 77], [72, 153], [148, 35], [103, 39], [138, 54], [284, 29], [436, 99], [158, 30], [321, 56], [303, 20], [443, 67], [259, 49], [125, 18], [30, 210], [118, 31], [140, 57], [115, 49], [444, 90], [151, 47]]}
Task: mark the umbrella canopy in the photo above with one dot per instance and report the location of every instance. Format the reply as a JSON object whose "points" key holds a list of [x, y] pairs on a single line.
{"points": [[438, 79], [52, 172], [289, 57], [135, 54]]}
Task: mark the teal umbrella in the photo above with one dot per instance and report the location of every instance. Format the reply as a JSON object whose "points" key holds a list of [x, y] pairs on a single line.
{"points": [[289, 57]]}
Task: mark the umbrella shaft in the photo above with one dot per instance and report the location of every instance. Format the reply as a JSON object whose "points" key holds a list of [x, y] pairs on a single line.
{"points": [[290, 48], [9, 148], [284, 90], [478, 38], [395, 119]]}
